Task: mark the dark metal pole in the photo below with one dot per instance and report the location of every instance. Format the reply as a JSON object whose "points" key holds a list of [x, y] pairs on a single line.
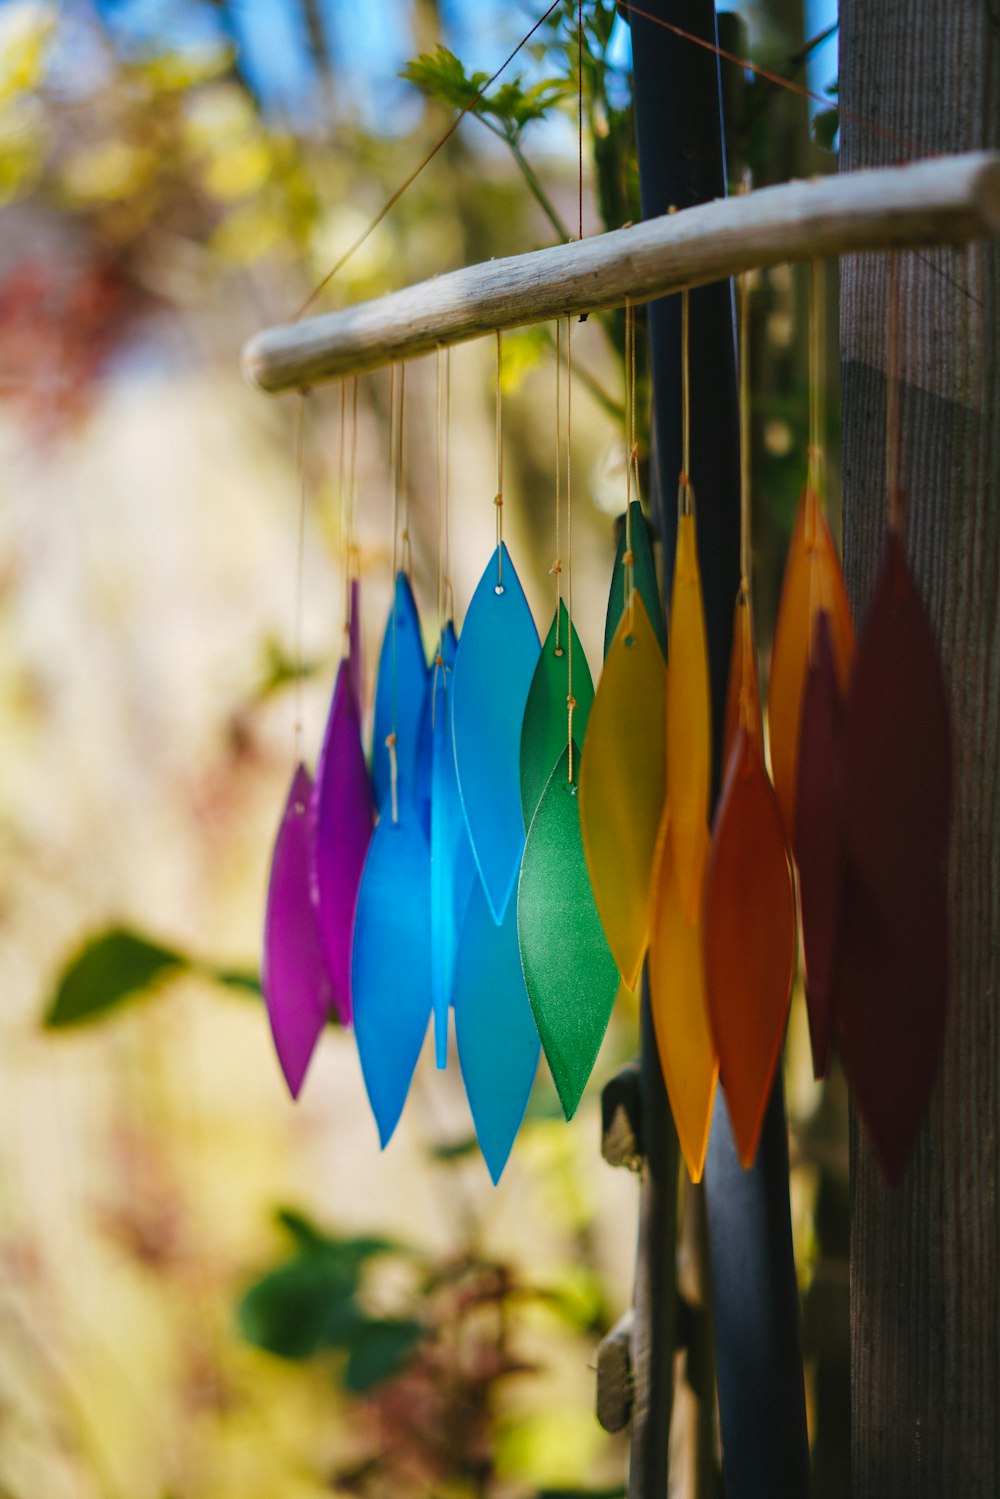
{"points": [[754, 1292]]}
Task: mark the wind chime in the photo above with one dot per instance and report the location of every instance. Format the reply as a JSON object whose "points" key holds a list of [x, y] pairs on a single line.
{"points": [[516, 844]]}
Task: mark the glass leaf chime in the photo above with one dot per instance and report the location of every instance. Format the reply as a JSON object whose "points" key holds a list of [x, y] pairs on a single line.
{"points": [[543, 730], [400, 694]]}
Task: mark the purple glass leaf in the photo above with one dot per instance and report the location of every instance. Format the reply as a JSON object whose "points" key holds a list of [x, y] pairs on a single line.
{"points": [[293, 975], [453, 868], [400, 694], [342, 818], [493, 671], [391, 963], [498, 1045]]}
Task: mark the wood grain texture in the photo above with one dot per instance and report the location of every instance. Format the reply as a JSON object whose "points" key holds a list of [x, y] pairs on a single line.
{"points": [[927, 202], [925, 1258]]}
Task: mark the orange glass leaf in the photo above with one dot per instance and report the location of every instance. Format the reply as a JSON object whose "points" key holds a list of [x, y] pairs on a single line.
{"points": [[749, 940], [743, 690], [813, 581], [684, 1040], [689, 722], [622, 775]]}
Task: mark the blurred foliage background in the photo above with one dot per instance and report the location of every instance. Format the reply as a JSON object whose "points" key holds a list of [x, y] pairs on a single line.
{"points": [[206, 1291]]}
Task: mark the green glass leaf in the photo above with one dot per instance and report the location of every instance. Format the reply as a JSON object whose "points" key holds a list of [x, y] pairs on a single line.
{"points": [[379, 1351], [112, 968], [543, 732], [569, 971], [644, 571]]}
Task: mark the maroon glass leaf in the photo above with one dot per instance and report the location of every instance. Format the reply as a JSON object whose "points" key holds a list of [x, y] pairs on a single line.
{"points": [[342, 827], [293, 974], [819, 841]]}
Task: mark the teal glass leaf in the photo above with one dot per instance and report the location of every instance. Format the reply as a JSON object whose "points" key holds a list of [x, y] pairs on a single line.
{"points": [[569, 971], [400, 692], [544, 733], [493, 670], [453, 868], [644, 575], [498, 1046], [391, 963]]}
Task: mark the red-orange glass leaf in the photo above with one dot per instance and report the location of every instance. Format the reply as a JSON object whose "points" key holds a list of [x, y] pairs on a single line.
{"points": [[890, 1013], [813, 581], [743, 690], [684, 1040], [689, 723], [819, 842], [896, 760], [749, 940]]}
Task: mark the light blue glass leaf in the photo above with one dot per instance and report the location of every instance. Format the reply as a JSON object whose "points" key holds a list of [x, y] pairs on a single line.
{"points": [[453, 868], [569, 972], [391, 963], [399, 696], [544, 730], [493, 670], [498, 1046]]}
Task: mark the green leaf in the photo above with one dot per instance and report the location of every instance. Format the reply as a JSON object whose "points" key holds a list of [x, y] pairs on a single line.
{"points": [[234, 978], [826, 123], [303, 1307], [111, 969], [379, 1352], [454, 1150]]}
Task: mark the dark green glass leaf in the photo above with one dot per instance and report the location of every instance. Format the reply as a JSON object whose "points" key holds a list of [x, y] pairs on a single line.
{"points": [[644, 573], [569, 972], [112, 968], [544, 730], [379, 1351]]}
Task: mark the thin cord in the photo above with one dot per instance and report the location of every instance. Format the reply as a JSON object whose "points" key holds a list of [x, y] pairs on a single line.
{"points": [[394, 446], [404, 487], [447, 484], [684, 497], [498, 498], [570, 699], [632, 459], [743, 292], [817, 350], [894, 496], [345, 517], [579, 113], [556, 568], [300, 550], [439, 431]]}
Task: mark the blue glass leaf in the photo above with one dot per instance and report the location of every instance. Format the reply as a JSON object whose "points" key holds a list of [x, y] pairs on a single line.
{"points": [[498, 1046], [391, 963], [453, 869], [493, 671], [399, 695]]}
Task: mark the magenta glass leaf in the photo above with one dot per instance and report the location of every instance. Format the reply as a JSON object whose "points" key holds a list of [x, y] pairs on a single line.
{"points": [[400, 693], [343, 817], [453, 868], [391, 963], [293, 975], [493, 671], [498, 1045]]}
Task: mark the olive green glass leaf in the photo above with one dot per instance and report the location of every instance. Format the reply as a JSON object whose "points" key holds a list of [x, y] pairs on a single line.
{"points": [[569, 971], [644, 575], [622, 784], [544, 733]]}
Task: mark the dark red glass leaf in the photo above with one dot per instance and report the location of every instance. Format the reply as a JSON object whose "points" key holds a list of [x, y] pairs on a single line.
{"points": [[819, 842]]}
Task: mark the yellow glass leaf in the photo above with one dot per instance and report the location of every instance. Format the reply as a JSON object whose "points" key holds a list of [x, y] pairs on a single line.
{"points": [[684, 1040], [689, 723], [743, 691], [813, 580], [622, 786]]}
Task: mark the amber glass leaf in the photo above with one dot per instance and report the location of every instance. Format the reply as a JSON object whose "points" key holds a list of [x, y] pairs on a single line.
{"points": [[743, 691], [643, 577], [689, 724], [819, 841], [545, 730], [684, 1040], [622, 780], [749, 940], [813, 581], [569, 972]]}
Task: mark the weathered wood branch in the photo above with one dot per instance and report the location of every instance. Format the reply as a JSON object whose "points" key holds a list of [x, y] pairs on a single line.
{"points": [[944, 200]]}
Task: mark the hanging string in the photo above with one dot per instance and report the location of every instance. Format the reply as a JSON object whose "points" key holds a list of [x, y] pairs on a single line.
{"points": [[894, 493], [395, 422], [344, 503], [498, 498], [404, 487], [449, 590], [817, 391], [556, 569], [632, 457], [579, 114], [439, 441], [300, 549], [743, 293], [352, 485], [685, 497], [570, 699]]}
